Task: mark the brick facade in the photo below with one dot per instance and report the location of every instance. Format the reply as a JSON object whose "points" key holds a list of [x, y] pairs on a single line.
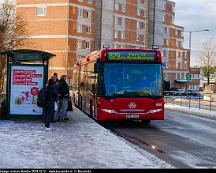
{"points": [[71, 29], [175, 56]]}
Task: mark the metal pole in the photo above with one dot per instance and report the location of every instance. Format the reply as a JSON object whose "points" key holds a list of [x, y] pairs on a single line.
{"points": [[154, 22], [189, 102], [210, 100], [190, 45], [101, 20], [199, 100], [68, 24]]}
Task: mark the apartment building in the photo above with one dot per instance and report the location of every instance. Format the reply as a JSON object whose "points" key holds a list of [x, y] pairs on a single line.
{"points": [[71, 29], [121, 23], [175, 56], [62, 27], [196, 82]]}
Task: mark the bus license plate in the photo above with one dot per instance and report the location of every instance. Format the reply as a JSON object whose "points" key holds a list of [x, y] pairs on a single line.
{"points": [[132, 116]]}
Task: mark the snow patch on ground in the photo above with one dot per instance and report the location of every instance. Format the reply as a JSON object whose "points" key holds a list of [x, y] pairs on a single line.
{"points": [[192, 110], [79, 143]]}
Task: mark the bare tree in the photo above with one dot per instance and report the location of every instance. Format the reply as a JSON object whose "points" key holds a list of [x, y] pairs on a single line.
{"points": [[12, 31], [208, 58]]}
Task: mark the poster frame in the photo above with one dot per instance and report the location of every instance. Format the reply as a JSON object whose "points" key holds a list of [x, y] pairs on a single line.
{"points": [[9, 86]]}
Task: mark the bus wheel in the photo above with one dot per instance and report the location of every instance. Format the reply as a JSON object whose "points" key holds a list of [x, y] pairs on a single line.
{"points": [[146, 122]]}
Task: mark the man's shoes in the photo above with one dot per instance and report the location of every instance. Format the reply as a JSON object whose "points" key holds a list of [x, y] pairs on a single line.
{"points": [[47, 129], [66, 119]]}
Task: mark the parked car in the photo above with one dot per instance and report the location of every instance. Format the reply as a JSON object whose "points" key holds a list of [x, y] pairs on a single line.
{"points": [[174, 92], [192, 92]]}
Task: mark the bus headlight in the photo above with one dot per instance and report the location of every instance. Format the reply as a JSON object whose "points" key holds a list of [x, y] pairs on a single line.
{"points": [[159, 104], [109, 111], [154, 111]]}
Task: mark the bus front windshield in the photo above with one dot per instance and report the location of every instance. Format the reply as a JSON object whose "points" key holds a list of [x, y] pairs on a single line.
{"points": [[136, 80]]}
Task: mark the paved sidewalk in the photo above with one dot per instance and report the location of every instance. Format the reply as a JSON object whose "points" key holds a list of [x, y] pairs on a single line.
{"points": [[78, 143]]}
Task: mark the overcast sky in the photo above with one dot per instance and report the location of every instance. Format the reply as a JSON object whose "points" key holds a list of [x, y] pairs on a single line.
{"points": [[196, 15]]}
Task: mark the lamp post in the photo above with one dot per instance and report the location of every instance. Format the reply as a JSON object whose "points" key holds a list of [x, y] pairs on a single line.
{"points": [[190, 34]]}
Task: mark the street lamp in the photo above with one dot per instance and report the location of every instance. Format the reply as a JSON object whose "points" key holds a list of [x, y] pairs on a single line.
{"points": [[190, 33]]}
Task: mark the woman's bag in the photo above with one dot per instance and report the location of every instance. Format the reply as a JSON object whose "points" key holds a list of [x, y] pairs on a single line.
{"points": [[70, 107]]}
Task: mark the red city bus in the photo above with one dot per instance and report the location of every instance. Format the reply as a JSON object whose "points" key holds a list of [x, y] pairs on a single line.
{"points": [[118, 84]]}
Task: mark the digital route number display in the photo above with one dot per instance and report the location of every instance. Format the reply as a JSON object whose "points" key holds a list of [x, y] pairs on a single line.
{"points": [[131, 56]]}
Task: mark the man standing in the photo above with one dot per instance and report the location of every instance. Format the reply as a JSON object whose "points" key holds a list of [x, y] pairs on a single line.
{"points": [[63, 94]]}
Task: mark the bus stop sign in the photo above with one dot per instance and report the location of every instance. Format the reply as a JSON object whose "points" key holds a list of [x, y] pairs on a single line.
{"points": [[188, 77]]}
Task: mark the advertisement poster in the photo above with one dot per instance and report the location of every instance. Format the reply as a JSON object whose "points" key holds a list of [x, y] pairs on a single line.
{"points": [[26, 81]]}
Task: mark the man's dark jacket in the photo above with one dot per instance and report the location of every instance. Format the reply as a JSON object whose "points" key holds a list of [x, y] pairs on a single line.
{"points": [[63, 89]]}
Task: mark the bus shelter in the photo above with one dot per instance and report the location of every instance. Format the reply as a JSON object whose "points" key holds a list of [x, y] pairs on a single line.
{"points": [[27, 73]]}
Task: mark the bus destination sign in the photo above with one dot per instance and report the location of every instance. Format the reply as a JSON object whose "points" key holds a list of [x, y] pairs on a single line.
{"points": [[131, 56]]}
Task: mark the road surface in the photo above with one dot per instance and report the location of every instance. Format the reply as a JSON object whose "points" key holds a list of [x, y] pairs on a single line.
{"points": [[182, 140]]}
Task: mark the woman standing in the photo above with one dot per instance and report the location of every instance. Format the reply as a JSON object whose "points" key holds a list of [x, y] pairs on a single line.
{"points": [[51, 96]]}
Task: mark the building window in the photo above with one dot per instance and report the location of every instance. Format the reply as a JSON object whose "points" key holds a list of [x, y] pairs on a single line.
{"points": [[116, 6], [41, 11], [178, 32], [116, 20], [143, 1], [173, 17], [142, 12], [165, 30], [137, 37], [79, 28], [165, 42], [90, 1], [122, 35], [88, 29], [123, 21], [120, 21], [138, 12], [164, 18], [79, 44], [173, 8], [142, 25], [116, 46], [116, 34], [80, 12], [88, 14], [141, 37], [124, 8], [87, 45], [138, 25]]}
